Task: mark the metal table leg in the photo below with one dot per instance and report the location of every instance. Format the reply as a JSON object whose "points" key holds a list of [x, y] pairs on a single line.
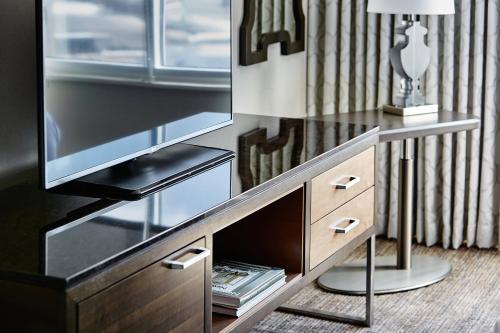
{"points": [[367, 321], [393, 273]]}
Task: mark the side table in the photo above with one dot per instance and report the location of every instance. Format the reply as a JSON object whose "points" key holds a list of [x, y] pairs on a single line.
{"points": [[403, 271]]}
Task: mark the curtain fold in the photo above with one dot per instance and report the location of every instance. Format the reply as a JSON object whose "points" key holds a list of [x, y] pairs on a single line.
{"points": [[458, 181]]}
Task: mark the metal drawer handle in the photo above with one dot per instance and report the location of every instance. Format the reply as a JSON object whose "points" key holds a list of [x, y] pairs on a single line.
{"points": [[353, 223], [201, 253], [353, 180]]}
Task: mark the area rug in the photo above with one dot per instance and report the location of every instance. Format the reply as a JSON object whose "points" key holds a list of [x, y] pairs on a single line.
{"points": [[467, 301]]}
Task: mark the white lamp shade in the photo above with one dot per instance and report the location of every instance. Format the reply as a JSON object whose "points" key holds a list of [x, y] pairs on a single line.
{"points": [[418, 7]]}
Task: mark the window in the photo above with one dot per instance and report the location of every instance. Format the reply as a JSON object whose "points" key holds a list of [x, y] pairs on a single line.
{"points": [[97, 30], [196, 34], [155, 41]]}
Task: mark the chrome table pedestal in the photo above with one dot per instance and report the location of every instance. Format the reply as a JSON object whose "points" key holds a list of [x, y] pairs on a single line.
{"points": [[392, 273]]}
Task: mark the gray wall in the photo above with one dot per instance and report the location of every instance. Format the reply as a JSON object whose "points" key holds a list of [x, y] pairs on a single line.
{"points": [[277, 87]]}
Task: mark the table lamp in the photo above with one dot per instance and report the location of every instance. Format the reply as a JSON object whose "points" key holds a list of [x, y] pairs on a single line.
{"points": [[411, 57]]}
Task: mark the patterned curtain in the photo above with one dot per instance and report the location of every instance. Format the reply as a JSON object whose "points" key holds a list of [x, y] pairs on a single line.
{"points": [[458, 174]]}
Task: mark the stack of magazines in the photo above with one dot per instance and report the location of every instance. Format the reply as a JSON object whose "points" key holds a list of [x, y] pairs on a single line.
{"points": [[237, 287]]}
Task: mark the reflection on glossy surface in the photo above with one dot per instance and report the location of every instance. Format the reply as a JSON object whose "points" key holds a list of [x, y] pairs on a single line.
{"points": [[82, 244], [99, 30], [199, 40], [192, 33], [31, 216], [323, 136], [268, 147], [261, 157], [124, 76]]}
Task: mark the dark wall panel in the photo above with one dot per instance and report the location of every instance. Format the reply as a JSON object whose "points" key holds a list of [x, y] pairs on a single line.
{"points": [[18, 123]]}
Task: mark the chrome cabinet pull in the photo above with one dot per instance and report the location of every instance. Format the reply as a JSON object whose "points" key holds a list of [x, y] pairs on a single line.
{"points": [[201, 253], [353, 223], [353, 180]]}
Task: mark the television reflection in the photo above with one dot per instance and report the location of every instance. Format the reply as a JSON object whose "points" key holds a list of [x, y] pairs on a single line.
{"points": [[82, 244]]}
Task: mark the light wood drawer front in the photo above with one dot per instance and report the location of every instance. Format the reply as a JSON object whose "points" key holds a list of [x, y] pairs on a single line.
{"points": [[326, 241], [158, 298], [357, 173]]}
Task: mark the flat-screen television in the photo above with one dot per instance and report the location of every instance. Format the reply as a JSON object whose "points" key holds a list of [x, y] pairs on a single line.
{"points": [[123, 78]]}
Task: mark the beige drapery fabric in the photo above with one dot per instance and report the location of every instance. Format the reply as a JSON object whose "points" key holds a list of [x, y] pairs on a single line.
{"points": [[458, 174]]}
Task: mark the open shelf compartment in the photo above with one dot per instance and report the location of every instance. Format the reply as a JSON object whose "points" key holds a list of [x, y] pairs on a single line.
{"points": [[272, 236]]}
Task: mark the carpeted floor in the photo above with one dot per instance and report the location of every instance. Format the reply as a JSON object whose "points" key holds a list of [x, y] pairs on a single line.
{"points": [[467, 301]]}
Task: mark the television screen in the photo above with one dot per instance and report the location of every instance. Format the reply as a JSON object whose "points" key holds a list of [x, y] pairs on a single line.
{"points": [[122, 78]]}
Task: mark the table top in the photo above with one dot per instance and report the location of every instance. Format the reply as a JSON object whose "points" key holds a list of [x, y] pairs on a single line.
{"points": [[95, 233], [396, 128]]}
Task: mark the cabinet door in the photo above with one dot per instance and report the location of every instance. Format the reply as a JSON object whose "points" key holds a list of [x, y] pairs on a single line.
{"points": [[167, 296]]}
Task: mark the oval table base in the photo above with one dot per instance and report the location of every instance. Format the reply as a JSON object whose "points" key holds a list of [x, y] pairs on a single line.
{"points": [[350, 278]]}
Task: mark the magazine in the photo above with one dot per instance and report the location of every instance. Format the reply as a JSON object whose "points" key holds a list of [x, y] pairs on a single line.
{"points": [[235, 283], [237, 312]]}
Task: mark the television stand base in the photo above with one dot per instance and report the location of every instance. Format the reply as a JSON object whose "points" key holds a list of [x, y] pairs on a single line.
{"points": [[147, 174]]}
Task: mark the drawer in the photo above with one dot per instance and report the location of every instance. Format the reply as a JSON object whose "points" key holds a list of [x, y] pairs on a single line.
{"points": [[164, 297], [335, 187], [355, 217]]}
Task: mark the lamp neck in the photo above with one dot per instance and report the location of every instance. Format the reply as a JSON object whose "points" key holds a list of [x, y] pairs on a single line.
{"points": [[411, 18]]}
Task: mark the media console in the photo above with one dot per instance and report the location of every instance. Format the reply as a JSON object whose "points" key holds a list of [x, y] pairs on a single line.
{"points": [[299, 194]]}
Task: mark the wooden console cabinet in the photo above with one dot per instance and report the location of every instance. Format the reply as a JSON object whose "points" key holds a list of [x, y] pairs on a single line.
{"points": [[305, 221]]}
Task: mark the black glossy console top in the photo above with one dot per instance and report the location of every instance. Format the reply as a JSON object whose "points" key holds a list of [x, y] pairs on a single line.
{"points": [[68, 238]]}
